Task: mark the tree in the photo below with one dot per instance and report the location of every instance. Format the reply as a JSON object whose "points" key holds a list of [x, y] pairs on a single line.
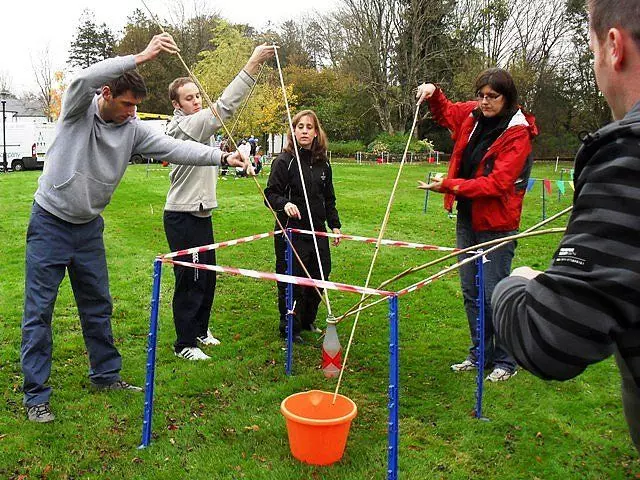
{"points": [[192, 36], [340, 100], [265, 112], [91, 43], [591, 110], [5, 83], [373, 27], [43, 74], [58, 89]]}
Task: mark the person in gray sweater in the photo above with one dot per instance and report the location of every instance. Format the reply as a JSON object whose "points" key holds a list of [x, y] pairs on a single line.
{"points": [[586, 305], [191, 200], [96, 136]]}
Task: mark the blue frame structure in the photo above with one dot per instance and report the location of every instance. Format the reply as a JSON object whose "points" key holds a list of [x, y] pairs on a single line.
{"points": [[151, 355], [394, 390], [480, 332], [289, 301], [394, 357]]}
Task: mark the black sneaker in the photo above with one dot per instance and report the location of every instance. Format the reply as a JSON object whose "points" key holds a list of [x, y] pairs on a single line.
{"points": [[117, 385], [40, 413], [312, 328]]}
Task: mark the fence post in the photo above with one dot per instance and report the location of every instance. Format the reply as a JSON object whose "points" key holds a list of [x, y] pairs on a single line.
{"points": [[289, 302], [151, 355], [480, 328], [426, 194], [394, 390]]}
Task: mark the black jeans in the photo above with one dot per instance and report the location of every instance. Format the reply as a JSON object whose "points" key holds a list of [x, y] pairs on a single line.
{"points": [[194, 289], [306, 298]]}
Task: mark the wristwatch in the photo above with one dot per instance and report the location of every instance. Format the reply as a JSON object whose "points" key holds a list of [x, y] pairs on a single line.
{"points": [[223, 159]]}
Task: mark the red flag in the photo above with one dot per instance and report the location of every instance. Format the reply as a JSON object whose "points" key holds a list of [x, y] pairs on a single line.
{"points": [[547, 185]]}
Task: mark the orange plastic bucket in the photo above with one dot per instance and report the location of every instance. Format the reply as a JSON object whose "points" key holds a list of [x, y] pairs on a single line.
{"points": [[318, 428]]}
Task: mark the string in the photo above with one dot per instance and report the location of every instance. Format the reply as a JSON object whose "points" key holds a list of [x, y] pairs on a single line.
{"points": [[255, 180], [377, 249], [304, 187]]}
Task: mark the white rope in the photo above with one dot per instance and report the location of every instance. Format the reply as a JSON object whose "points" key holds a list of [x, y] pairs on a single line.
{"points": [[304, 187], [377, 249]]}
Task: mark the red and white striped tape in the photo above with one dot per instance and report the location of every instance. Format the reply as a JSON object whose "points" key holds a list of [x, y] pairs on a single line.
{"points": [[391, 243], [214, 246], [277, 277]]}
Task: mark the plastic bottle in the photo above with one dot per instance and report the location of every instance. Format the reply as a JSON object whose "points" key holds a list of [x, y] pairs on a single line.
{"points": [[331, 351]]}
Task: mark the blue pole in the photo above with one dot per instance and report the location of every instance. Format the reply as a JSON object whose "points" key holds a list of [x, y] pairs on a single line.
{"points": [[289, 301], [480, 332], [426, 195], [394, 395], [151, 355]]}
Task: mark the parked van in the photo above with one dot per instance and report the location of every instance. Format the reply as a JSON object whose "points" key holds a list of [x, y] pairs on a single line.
{"points": [[26, 144], [158, 122]]}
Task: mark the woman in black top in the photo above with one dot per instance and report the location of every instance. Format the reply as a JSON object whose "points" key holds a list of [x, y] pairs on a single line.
{"points": [[286, 196]]}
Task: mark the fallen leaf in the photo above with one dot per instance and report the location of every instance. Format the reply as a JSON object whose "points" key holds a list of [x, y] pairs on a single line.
{"points": [[254, 428]]}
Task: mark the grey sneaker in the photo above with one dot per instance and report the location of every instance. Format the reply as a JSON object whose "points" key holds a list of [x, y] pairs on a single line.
{"points": [[465, 366], [40, 413], [117, 385], [312, 328], [501, 375]]}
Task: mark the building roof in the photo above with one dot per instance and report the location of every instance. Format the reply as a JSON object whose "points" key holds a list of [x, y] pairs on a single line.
{"points": [[16, 107]]}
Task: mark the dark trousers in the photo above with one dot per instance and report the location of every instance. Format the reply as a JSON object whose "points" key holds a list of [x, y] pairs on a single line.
{"points": [[194, 289], [497, 268], [53, 247], [306, 298]]}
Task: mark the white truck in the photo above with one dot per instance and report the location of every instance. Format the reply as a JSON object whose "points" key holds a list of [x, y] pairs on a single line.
{"points": [[26, 144]]}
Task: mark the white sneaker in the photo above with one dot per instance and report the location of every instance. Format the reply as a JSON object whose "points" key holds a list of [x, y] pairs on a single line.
{"points": [[464, 366], [500, 375], [192, 353], [209, 340]]}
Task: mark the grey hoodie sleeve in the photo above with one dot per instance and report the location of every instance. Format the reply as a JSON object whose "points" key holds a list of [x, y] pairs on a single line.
{"points": [[203, 124], [82, 89], [165, 148]]}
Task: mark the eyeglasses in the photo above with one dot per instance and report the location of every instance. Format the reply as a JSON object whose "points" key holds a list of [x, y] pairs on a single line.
{"points": [[490, 97]]}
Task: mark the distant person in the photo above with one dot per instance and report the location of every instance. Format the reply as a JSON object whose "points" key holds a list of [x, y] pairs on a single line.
{"points": [[584, 307], [97, 135], [487, 176], [253, 142], [245, 149], [285, 194], [191, 200], [257, 161]]}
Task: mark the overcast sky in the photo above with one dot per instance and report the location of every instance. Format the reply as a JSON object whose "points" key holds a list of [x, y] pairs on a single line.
{"points": [[30, 26]]}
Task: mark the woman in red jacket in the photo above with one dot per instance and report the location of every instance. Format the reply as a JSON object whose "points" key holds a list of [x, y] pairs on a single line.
{"points": [[487, 176]]}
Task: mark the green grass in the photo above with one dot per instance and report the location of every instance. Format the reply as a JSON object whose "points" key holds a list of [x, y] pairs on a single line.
{"points": [[221, 420]]}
